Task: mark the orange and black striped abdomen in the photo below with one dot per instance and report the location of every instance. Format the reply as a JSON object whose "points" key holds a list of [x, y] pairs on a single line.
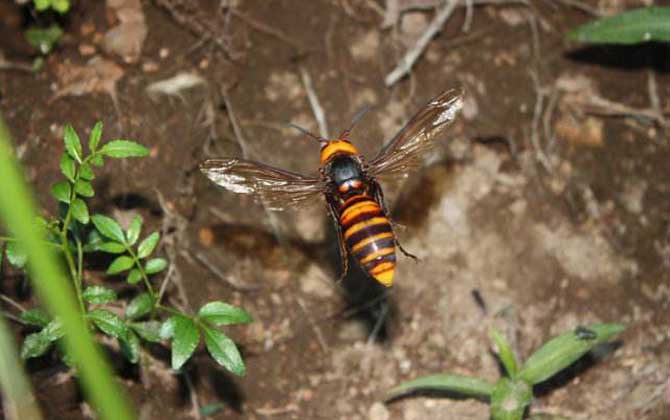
{"points": [[369, 237]]}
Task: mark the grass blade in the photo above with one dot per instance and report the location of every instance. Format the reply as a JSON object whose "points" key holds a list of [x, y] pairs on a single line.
{"points": [[464, 385]]}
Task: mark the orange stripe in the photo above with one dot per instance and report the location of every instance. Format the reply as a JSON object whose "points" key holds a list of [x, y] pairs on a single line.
{"points": [[350, 199], [337, 146], [365, 223], [385, 266], [371, 239], [356, 209], [377, 254]]}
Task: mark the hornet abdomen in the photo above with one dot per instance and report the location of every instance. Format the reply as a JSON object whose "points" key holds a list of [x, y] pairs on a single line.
{"points": [[369, 237]]}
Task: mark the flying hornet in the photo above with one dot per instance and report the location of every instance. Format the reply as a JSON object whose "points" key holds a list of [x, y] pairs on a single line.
{"points": [[348, 182]]}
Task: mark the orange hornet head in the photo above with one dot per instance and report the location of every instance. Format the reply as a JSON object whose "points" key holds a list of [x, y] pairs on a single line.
{"points": [[330, 148]]}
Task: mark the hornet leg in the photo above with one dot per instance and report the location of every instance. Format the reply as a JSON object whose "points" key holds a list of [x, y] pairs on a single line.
{"points": [[344, 255]]}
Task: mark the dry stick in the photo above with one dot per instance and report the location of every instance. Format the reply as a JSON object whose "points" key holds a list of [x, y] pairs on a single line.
{"points": [[314, 103], [405, 64], [202, 259], [314, 325], [535, 126], [581, 6], [601, 106], [266, 29], [195, 403], [469, 13], [245, 153], [654, 99], [12, 302]]}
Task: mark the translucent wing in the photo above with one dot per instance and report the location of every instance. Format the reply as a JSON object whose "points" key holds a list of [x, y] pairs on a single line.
{"points": [[403, 151], [277, 188]]}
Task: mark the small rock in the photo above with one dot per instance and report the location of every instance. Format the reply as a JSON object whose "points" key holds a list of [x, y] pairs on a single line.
{"points": [[378, 411]]}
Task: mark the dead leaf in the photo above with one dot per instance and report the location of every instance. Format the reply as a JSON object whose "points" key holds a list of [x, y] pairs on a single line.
{"points": [[127, 38], [97, 76]]}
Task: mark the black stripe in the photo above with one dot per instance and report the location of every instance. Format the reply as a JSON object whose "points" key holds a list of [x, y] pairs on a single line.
{"points": [[373, 247], [367, 231], [362, 216], [369, 266], [354, 200]]}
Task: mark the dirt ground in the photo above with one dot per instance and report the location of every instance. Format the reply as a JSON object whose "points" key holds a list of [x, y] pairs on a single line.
{"points": [[547, 207]]}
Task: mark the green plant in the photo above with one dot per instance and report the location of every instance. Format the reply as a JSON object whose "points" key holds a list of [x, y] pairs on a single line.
{"points": [[50, 283], [76, 234], [510, 396], [61, 6], [631, 27]]}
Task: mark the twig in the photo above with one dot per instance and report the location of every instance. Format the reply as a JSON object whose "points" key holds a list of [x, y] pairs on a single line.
{"points": [[195, 403], [581, 6], [600, 106], [12, 302], [535, 125], [654, 99], [239, 137], [314, 103], [405, 64], [314, 325], [12, 317], [266, 29], [469, 13], [378, 325], [202, 259]]}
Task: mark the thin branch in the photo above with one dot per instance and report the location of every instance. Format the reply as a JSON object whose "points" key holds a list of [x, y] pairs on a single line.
{"points": [[266, 29], [315, 326], [314, 103], [407, 62], [202, 259]]}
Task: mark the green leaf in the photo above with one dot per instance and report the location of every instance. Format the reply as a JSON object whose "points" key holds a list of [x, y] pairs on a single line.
{"points": [[124, 149], [220, 313], [80, 211], [120, 264], [560, 352], [72, 143], [167, 329], [505, 353], [44, 39], [211, 409], [464, 385], [93, 241], [130, 346], [155, 265], [98, 295], [108, 227], [631, 27], [53, 331], [16, 255], [224, 351], [148, 245], [94, 138], [509, 399], [134, 277], [35, 316], [35, 345], [84, 188], [42, 5], [67, 167], [61, 191], [61, 6], [97, 160], [184, 340], [141, 305], [149, 330], [133, 232], [112, 248], [86, 172], [108, 322]]}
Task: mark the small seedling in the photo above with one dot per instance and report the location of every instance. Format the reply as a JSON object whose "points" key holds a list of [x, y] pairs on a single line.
{"points": [[76, 234], [512, 395]]}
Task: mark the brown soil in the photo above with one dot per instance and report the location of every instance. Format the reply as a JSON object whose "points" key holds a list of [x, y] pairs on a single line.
{"points": [[553, 216]]}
